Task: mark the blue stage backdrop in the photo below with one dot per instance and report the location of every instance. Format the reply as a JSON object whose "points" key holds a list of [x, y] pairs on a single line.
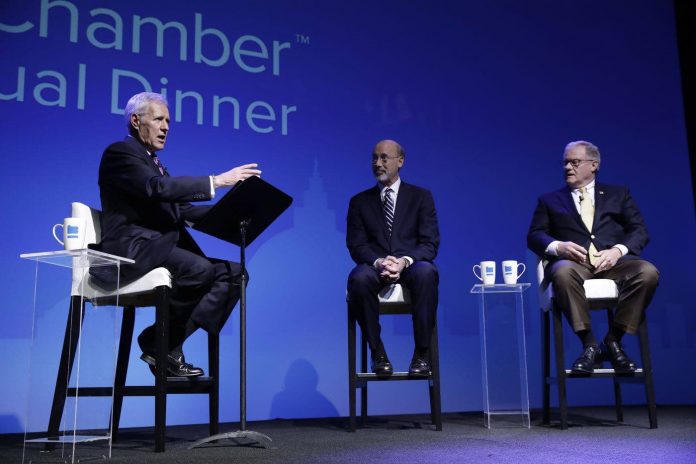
{"points": [[482, 95]]}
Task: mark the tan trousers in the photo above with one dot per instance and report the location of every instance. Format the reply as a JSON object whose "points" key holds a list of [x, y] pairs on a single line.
{"points": [[635, 278]]}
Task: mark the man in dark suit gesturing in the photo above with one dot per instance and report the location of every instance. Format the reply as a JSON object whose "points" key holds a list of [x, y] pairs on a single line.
{"points": [[145, 211], [393, 236], [590, 230]]}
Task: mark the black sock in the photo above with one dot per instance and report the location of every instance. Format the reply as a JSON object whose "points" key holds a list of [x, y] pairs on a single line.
{"points": [[378, 350], [587, 338], [615, 334], [189, 328]]}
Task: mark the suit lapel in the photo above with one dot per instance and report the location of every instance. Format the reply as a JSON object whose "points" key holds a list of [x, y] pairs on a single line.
{"points": [[142, 151], [569, 203], [403, 202], [598, 204], [375, 210]]}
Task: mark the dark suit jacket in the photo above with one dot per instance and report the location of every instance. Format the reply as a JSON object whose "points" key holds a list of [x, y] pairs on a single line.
{"points": [[617, 220], [415, 229], [143, 212]]}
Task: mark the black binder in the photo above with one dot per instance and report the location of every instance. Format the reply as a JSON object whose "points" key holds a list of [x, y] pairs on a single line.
{"points": [[253, 201]]}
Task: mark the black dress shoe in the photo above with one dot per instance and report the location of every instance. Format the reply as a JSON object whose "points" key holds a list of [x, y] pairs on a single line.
{"points": [[176, 365], [420, 364], [618, 358], [381, 365], [590, 360]]}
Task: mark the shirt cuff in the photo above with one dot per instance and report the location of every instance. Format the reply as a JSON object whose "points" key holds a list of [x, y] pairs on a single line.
{"points": [[212, 186], [622, 249], [409, 259], [552, 249]]}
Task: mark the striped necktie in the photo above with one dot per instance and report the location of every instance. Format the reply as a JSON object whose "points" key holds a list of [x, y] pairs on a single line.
{"points": [[158, 163], [388, 207], [587, 211]]}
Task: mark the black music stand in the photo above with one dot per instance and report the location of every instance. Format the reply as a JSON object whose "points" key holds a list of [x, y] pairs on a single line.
{"points": [[239, 217]]}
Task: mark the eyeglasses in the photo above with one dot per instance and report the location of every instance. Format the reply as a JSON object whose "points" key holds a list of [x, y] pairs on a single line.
{"points": [[382, 157], [575, 162]]}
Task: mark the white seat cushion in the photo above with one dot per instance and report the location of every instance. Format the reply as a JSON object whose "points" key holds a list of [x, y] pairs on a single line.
{"points": [[394, 293], [595, 289], [155, 278], [601, 289]]}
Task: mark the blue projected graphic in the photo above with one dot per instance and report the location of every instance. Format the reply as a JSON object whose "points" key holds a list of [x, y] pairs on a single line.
{"points": [[483, 96]]}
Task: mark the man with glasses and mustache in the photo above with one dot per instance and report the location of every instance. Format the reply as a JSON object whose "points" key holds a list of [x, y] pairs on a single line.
{"points": [[393, 236], [590, 230]]}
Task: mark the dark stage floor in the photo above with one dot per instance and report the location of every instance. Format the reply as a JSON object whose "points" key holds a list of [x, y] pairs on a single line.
{"points": [[592, 437]]}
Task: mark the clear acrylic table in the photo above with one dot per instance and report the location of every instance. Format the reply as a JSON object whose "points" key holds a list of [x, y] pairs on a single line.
{"points": [[61, 279], [503, 354]]}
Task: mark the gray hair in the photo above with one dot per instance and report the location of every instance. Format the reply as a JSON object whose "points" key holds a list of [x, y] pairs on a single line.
{"points": [[591, 149], [138, 102], [400, 150]]}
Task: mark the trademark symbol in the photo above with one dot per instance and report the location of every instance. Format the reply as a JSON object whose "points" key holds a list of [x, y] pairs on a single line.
{"points": [[302, 39]]}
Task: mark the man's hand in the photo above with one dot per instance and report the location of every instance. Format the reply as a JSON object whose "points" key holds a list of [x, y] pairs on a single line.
{"points": [[231, 177], [395, 264], [572, 251], [390, 268], [606, 259]]}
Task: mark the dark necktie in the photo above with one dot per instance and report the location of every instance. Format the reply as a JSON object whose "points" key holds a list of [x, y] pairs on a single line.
{"points": [[158, 163], [388, 207]]}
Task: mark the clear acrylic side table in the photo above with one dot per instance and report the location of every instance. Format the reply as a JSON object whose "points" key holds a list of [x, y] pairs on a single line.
{"points": [[60, 279], [503, 355]]}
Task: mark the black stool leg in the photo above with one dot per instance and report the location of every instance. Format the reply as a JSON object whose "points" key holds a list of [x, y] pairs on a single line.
{"points": [[67, 358], [546, 366], [618, 402], [161, 343], [434, 383], [560, 368], [124, 348], [214, 372], [351, 374], [363, 389], [648, 373]]}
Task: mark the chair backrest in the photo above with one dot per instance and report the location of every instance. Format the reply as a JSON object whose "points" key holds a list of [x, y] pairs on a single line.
{"points": [[92, 219], [541, 265]]}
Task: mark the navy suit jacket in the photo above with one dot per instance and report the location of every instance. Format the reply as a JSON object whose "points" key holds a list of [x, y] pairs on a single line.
{"points": [[617, 220], [143, 211], [415, 230]]}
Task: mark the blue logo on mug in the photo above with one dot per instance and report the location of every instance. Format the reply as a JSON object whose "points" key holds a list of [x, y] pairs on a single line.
{"points": [[489, 270], [73, 231], [508, 269]]}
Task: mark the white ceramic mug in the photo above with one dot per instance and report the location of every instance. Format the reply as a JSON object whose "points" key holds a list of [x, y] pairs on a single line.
{"points": [[510, 271], [487, 270], [73, 233]]}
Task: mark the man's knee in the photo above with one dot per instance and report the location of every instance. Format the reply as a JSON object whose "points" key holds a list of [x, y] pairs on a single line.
{"points": [[229, 271], [363, 276], [202, 272], [424, 271], [564, 273], [648, 273]]}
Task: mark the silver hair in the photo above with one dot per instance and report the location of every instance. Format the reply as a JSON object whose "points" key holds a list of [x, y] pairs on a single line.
{"points": [[138, 102], [591, 149], [400, 150]]}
